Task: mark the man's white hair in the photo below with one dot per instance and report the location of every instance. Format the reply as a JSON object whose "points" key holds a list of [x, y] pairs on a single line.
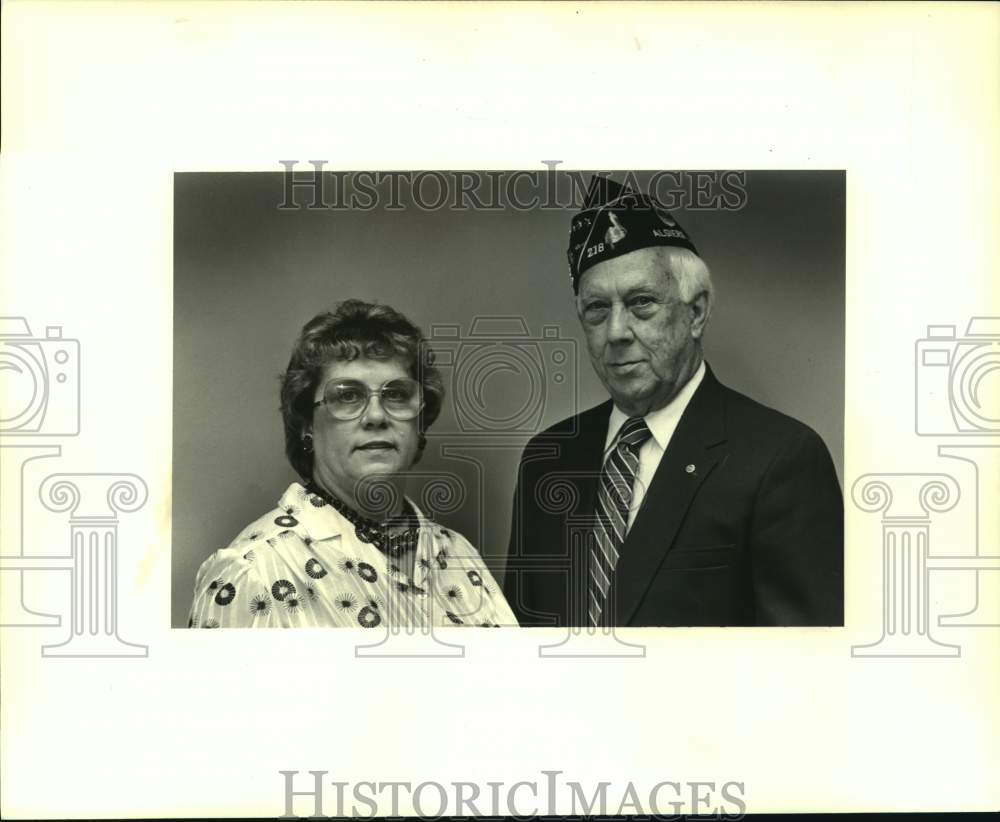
{"points": [[690, 272]]}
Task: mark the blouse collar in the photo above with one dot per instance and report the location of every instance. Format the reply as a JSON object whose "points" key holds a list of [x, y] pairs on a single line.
{"points": [[394, 536], [322, 521]]}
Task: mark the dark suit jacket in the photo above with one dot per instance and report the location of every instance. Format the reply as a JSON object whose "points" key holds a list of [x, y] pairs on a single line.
{"points": [[752, 535]]}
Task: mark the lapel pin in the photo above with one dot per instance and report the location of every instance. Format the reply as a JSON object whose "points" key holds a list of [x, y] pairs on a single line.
{"points": [[690, 468]]}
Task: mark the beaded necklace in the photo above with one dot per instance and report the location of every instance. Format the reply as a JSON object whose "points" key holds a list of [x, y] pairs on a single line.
{"points": [[394, 536]]}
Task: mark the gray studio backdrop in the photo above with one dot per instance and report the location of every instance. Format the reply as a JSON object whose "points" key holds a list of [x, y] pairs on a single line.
{"points": [[248, 275]]}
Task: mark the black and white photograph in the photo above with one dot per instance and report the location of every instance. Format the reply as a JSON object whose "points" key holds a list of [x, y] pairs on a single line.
{"points": [[620, 379], [394, 390]]}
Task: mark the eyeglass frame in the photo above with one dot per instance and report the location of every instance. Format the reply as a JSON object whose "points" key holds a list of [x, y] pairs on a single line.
{"points": [[371, 392]]}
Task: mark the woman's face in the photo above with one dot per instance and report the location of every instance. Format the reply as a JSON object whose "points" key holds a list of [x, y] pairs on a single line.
{"points": [[347, 451]]}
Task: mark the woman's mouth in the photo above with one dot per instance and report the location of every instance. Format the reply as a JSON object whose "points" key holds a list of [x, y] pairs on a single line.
{"points": [[376, 445]]}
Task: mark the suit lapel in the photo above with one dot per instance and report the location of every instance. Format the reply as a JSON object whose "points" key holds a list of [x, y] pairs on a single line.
{"points": [[577, 462], [673, 487], [593, 434]]}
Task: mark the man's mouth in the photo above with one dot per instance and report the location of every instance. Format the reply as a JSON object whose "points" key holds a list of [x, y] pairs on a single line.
{"points": [[624, 367]]}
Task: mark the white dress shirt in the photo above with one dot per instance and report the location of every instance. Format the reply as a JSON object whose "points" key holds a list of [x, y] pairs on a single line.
{"points": [[662, 423]]}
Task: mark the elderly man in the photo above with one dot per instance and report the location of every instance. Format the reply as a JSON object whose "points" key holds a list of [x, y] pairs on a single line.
{"points": [[679, 501]]}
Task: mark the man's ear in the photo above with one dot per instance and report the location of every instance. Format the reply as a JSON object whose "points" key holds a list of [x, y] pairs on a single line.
{"points": [[700, 307]]}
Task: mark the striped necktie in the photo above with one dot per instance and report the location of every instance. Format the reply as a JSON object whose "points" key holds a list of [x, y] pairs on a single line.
{"points": [[614, 496]]}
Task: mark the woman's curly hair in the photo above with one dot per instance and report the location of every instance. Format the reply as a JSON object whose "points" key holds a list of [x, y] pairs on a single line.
{"points": [[354, 329]]}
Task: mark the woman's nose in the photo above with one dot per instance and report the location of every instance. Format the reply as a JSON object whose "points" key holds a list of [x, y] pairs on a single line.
{"points": [[374, 414]]}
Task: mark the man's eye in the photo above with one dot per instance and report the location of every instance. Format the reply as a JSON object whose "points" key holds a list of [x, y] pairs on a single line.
{"points": [[642, 302]]}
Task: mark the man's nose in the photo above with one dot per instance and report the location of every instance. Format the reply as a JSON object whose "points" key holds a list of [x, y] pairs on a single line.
{"points": [[619, 328]]}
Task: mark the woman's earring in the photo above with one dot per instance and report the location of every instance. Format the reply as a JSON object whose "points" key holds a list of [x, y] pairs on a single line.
{"points": [[307, 442]]}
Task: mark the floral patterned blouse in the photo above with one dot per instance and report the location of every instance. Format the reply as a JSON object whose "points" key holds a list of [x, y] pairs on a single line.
{"points": [[303, 565]]}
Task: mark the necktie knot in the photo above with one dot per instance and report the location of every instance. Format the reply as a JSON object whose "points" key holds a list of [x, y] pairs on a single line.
{"points": [[633, 434]]}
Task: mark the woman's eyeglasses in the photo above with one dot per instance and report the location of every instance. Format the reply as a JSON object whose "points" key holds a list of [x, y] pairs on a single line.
{"points": [[348, 399]]}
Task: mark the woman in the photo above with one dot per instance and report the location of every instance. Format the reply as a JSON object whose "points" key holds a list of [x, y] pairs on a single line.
{"points": [[345, 547]]}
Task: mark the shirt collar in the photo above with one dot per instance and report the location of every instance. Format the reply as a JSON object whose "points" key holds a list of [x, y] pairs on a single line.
{"points": [[663, 421], [320, 520]]}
